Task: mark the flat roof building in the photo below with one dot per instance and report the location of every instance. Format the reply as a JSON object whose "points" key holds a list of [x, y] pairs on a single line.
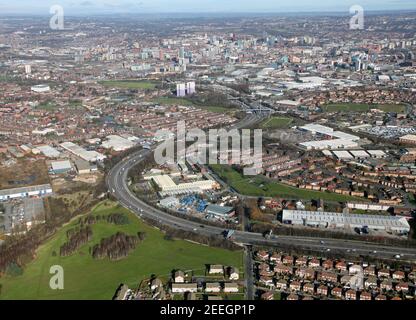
{"points": [[220, 212], [38, 191], [169, 187], [49, 151], [117, 143], [345, 220], [90, 156], [60, 167]]}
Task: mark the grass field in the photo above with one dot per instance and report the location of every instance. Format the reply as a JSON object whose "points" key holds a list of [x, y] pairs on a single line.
{"points": [[129, 84], [260, 187], [166, 101], [85, 278], [277, 123], [356, 107]]}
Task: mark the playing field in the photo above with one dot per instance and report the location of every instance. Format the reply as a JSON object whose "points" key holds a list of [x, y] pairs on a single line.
{"points": [[260, 187], [128, 84], [277, 123], [356, 107], [166, 101], [86, 278]]}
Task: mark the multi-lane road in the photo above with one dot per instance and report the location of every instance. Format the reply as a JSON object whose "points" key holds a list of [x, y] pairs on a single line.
{"points": [[117, 184]]}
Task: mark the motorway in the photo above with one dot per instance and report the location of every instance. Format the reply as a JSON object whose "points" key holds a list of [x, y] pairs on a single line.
{"points": [[117, 184]]}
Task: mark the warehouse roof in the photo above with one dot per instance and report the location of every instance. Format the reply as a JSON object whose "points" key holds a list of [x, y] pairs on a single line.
{"points": [[216, 209], [61, 165], [49, 151], [7, 192], [346, 219]]}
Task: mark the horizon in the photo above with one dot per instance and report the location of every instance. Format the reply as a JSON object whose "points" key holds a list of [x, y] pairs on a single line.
{"points": [[99, 7]]}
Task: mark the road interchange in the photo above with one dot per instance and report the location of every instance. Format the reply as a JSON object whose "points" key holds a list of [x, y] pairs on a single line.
{"points": [[118, 186]]}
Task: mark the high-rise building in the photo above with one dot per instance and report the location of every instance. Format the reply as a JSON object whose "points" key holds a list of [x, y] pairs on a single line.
{"points": [[190, 87], [28, 69], [181, 90], [182, 53]]}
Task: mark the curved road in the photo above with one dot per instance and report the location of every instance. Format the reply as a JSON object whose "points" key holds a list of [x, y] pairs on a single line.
{"points": [[117, 184]]}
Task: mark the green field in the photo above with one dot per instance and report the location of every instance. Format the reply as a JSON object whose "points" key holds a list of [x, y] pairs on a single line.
{"points": [[47, 106], [259, 186], [128, 84], [86, 278], [277, 123], [167, 101], [356, 107]]}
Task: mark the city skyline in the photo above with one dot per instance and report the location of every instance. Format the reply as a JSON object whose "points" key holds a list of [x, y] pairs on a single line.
{"points": [[187, 6]]}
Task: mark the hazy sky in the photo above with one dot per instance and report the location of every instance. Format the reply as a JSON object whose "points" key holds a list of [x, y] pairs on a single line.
{"points": [[149, 6]]}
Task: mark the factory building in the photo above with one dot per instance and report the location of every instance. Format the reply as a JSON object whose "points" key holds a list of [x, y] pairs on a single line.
{"points": [[61, 167], [169, 188], [398, 225], [220, 212], [169, 202], [41, 88], [117, 143], [340, 140], [47, 151], [329, 144], [90, 156], [25, 192]]}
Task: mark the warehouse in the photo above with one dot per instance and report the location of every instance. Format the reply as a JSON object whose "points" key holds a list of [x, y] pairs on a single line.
{"points": [[84, 167], [35, 191], [343, 155], [90, 156], [220, 212], [359, 154], [49, 151], [169, 188], [61, 167], [378, 154], [398, 225], [329, 144], [170, 202], [329, 132], [117, 143]]}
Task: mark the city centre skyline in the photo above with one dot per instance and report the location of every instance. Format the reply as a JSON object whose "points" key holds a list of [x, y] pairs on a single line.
{"points": [[191, 6]]}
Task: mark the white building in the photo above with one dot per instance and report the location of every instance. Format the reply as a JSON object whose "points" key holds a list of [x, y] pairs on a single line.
{"points": [[60, 167], [346, 220], [41, 88], [329, 144], [169, 202], [25, 192], [184, 287], [212, 287], [49, 151], [90, 156], [117, 143], [169, 187], [231, 287]]}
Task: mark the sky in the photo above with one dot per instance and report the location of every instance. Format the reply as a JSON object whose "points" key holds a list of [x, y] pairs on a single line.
{"points": [[209, 6]]}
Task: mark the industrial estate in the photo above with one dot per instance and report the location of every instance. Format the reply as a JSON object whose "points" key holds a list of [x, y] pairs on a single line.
{"points": [[326, 213]]}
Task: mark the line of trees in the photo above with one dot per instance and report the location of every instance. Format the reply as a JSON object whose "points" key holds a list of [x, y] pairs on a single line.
{"points": [[77, 237], [117, 247]]}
